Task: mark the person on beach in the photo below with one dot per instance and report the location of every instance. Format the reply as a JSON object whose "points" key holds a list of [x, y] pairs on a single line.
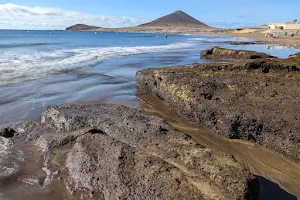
{"points": [[292, 35], [267, 35], [285, 34]]}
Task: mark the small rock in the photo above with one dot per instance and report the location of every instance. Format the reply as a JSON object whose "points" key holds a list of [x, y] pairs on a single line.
{"points": [[7, 132]]}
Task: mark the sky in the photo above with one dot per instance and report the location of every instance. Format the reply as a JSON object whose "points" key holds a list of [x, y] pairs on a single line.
{"points": [[59, 14]]}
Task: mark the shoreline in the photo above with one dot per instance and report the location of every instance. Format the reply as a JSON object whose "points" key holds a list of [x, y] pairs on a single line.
{"points": [[258, 35], [281, 40]]}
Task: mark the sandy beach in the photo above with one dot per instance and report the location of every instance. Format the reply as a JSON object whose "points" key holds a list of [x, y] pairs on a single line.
{"points": [[281, 39]]}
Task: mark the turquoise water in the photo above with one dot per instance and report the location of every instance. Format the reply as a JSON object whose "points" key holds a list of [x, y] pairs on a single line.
{"points": [[42, 68]]}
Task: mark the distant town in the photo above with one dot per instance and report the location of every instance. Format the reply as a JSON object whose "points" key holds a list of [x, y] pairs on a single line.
{"points": [[293, 25]]}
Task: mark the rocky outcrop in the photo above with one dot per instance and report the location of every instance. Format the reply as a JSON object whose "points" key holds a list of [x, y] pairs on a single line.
{"points": [[222, 54], [253, 100], [81, 27], [128, 154], [7, 132]]}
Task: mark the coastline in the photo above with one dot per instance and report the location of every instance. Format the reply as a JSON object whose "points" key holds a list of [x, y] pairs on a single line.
{"points": [[168, 109], [258, 35], [71, 136]]}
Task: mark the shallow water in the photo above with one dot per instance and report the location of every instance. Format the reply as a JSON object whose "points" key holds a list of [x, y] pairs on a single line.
{"points": [[37, 177], [42, 68], [274, 171]]}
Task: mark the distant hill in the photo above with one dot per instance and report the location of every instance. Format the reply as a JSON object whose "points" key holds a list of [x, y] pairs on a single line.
{"points": [[176, 19], [81, 27]]}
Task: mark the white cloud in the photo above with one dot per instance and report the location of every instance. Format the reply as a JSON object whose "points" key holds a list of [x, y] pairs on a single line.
{"points": [[14, 16]]}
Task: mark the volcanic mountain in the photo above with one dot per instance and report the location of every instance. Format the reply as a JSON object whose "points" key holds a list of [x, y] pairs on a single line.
{"points": [[176, 19], [81, 27]]}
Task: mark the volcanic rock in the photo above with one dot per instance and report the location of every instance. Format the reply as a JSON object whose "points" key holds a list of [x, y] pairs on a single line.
{"points": [[222, 54], [7, 132], [128, 154], [253, 100]]}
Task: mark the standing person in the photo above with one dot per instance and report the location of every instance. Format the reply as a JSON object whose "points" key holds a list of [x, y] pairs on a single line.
{"points": [[292, 35], [298, 32], [166, 35], [285, 34], [267, 35]]}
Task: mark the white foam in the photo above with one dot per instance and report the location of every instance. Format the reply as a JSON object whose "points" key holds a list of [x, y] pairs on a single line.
{"points": [[198, 39], [5, 144], [21, 66], [5, 154]]}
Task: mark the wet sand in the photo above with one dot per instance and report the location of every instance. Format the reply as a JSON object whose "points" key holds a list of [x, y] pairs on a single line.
{"points": [[32, 180], [262, 162]]}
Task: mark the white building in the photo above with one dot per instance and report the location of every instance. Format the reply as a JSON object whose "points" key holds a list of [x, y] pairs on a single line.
{"points": [[285, 25]]}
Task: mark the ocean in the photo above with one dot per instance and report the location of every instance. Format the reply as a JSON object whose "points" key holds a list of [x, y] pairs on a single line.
{"points": [[43, 68]]}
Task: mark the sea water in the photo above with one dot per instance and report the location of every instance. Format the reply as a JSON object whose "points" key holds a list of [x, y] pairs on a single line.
{"points": [[43, 68]]}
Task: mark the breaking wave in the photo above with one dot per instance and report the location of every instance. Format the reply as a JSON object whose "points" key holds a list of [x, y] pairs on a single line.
{"points": [[22, 66]]}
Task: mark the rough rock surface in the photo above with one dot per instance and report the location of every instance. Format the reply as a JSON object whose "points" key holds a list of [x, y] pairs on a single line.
{"points": [[127, 154], [222, 54], [253, 100]]}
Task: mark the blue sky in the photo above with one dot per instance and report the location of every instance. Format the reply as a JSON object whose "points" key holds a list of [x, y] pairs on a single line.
{"points": [[57, 14]]}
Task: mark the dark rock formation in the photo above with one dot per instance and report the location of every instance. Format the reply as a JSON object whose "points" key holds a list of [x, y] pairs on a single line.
{"points": [[81, 27], [222, 54], [176, 19], [127, 154], [253, 100], [7, 132]]}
